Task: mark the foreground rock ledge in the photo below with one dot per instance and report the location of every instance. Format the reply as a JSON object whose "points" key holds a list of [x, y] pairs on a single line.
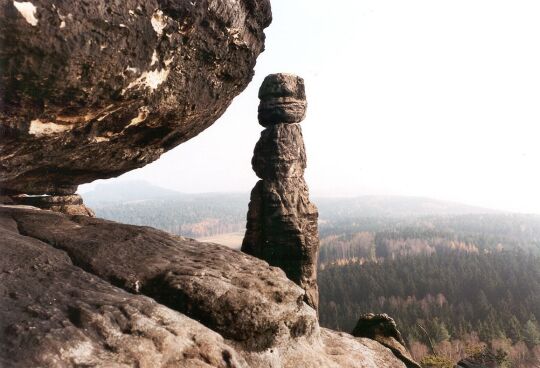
{"points": [[60, 309]]}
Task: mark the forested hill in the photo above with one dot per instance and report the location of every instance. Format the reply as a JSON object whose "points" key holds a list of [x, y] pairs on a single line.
{"points": [[128, 191], [199, 215], [459, 298], [190, 215], [337, 209], [468, 280], [370, 238]]}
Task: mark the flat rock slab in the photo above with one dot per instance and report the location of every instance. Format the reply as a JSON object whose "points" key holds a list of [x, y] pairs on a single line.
{"points": [[330, 350], [241, 297], [53, 314]]}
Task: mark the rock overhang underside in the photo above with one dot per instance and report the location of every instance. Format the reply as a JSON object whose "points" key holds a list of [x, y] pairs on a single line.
{"points": [[95, 90]]}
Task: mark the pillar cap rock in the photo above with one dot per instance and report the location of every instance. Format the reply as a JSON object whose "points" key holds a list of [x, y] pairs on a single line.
{"points": [[283, 99], [282, 85]]}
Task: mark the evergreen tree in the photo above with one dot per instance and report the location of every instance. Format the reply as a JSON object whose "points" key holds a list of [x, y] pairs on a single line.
{"points": [[514, 329], [531, 333]]}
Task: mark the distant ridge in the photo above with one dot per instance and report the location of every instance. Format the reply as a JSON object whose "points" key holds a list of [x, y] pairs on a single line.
{"points": [[394, 206], [142, 203], [126, 191], [364, 206]]}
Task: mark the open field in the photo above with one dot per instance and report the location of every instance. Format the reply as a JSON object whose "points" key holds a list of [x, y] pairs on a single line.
{"points": [[231, 240]]}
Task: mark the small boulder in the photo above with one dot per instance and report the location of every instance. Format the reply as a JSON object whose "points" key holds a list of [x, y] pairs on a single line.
{"points": [[383, 329]]}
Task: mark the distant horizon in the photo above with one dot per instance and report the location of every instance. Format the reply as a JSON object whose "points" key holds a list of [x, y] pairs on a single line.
{"points": [[88, 188], [417, 98]]}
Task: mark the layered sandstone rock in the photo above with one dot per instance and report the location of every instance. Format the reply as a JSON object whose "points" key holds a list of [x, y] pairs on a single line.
{"points": [[238, 296], [68, 204], [282, 222], [212, 306], [95, 90]]}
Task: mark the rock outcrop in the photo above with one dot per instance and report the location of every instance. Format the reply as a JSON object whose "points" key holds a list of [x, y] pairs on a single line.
{"points": [[95, 90], [281, 222], [210, 307], [383, 329], [53, 314], [240, 297], [68, 204], [484, 358]]}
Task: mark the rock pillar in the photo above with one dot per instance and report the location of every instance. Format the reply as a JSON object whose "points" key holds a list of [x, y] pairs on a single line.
{"points": [[282, 222]]}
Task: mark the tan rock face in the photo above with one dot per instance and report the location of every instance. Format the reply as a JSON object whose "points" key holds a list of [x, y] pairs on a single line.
{"points": [[280, 153], [211, 306], [95, 90], [242, 298], [282, 222], [54, 314]]}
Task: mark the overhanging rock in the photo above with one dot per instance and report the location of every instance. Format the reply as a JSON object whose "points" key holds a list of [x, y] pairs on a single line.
{"points": [[98, 89]]}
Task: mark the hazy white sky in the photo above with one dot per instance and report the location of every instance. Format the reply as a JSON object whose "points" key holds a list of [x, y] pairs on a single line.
{"points": [[420, 97]]}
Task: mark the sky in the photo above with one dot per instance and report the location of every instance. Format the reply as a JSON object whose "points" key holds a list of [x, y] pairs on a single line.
{"points": [[427, 98]]}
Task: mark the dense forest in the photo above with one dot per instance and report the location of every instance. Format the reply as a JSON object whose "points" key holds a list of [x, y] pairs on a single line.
{"points": [[369, 238], [453, 295], [460, 281]]}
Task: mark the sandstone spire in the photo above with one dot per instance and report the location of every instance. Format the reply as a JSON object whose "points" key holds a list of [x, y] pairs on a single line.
{"points": [[281, 221]]}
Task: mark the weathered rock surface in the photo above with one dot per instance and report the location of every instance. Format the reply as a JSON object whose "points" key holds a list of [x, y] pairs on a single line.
{"points": [[281, 222], [280, 153], [54, 314], [283, 100], [59, 309], [329, 350], [383, 329], [241, 298], [97, 89]]}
